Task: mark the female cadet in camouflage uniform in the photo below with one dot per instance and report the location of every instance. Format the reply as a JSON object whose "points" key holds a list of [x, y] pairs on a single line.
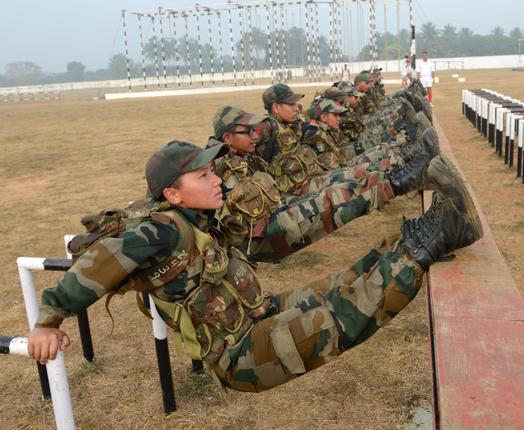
{"points": [[208, 292]]}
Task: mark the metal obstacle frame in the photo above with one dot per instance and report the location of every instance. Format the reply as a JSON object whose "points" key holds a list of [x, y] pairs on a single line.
{"points": [[240, 16], [53, 376]]}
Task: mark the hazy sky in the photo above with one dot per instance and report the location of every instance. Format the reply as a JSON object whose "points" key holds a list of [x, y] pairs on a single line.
{"points": [[52, 33]]}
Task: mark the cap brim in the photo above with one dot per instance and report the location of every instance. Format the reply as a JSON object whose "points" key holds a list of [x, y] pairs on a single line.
{"points": [[207, 156], [250, 119], [339, 109], [292, 98]]}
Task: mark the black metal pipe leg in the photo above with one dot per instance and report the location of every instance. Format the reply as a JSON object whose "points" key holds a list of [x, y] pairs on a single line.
{"points": [[166, 376], [197, 367], [519, 162], [44, 380], [85, 336]]}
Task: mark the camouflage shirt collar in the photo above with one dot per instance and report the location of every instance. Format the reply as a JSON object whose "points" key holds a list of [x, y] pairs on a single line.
{"points": [[200, 219], [277, 119]]}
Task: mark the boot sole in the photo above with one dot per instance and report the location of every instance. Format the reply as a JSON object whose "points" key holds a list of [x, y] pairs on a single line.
{"points": [[441, 167]]}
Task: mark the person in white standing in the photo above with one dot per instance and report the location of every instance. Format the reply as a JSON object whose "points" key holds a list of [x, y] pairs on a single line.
{"points": [[345, 75], [406, 72], [426, 74]]}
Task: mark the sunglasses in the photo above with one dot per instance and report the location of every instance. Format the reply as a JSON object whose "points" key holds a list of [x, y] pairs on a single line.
{"points": [[249, 132]]}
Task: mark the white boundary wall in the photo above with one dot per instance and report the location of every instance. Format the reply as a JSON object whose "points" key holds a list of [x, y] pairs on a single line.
{"points": [[491, 62]]}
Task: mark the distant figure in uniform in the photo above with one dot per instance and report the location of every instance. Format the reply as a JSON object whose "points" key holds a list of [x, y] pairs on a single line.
{"points": [[426, 74], [346, 74], [406, 71]]}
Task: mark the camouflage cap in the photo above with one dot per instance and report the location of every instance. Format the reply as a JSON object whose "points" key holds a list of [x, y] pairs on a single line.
{"points": [[226, 117], [175, 159], [325, 105], [279, 93], [363, 76], [336, 94]]}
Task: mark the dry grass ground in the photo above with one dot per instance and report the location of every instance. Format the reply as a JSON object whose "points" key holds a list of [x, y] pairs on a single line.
{"points": [[63, 159]]}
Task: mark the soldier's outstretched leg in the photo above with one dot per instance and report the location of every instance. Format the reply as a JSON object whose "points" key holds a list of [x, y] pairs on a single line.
{"points": [[305, 219], [315, 323], [343, 195]]}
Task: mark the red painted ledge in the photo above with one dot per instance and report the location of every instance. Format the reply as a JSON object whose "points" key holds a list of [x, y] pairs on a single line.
{"points": [[477, 334]]}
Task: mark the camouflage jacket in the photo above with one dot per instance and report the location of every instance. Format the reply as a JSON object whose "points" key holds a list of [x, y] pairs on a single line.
{"points": [[190, 269], [367, 104], [276, 137], [351, 124], [326, 142]]}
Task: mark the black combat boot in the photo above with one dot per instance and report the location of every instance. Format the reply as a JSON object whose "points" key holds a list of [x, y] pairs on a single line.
{"points": [[410, 176], [414, 99], [450, 223], [407, 112], [428, 145]]}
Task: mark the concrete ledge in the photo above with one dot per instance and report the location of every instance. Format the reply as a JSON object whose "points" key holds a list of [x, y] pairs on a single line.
{"points": [[477, 335]]}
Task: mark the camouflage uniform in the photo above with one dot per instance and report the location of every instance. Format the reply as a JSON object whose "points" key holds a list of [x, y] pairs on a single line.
{"points": [[210, 295], [367, 103], [323, 139]]}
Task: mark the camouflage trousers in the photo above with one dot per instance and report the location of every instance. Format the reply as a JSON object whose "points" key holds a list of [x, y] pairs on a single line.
{"points": [[316, 322], [381, 157], [329, 201], [361, 151]]}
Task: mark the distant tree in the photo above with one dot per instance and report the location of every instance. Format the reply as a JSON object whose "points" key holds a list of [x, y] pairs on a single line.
{"points": [[23, 68], [23, 73], [465, 32], [171, 47], [498, 32], [449, 33], [117, 67], [255, 44], [75, 71], [428, 38], [516, 33]]}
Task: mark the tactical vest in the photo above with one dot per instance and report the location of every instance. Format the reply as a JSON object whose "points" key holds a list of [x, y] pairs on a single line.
{"points": [[232, 170], [318, 136], [223, 296], [294, 163]]}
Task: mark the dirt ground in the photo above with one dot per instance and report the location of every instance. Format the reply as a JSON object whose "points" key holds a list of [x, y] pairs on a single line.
{"points": [[63, 159]]}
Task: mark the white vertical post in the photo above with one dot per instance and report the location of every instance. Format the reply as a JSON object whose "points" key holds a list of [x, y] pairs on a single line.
{"points": [[221, 41], [199, 43], [233, 59], [56, 372], [188, 54], [373, 33], [155, 49], [162, 47], [126, 50], [177, 55], [308, 41], [269, 41], [142, 54]]}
